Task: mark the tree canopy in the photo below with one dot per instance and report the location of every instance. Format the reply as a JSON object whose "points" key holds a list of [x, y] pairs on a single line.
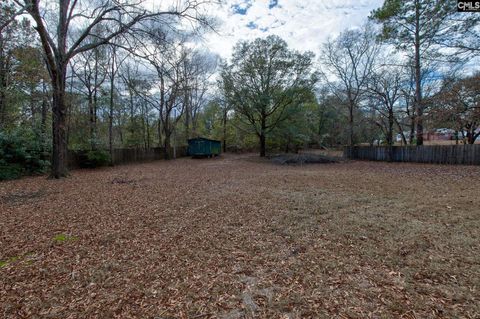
{"points": [[264, 79]]}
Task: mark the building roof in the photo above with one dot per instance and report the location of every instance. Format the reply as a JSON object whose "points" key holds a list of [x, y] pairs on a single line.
{"points": [[203, 139]]}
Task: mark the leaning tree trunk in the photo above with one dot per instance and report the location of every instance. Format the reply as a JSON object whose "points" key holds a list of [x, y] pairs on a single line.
{"points": [[43, 121]]}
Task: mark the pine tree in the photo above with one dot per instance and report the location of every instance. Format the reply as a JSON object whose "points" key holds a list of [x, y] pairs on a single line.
{"points": [[412, 26]]}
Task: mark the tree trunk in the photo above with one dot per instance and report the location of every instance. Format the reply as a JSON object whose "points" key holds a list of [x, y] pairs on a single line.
{"points": [[350, 125], [262, 136], [402, 133], [91, 120], [390, 127], [225, 130], [110, 129], [43, 121], [144, 129], [262, 145], [412, 130], [110, 116], [4, 68], [160, 110], [390, 134], [166, 144], [59, 156], [33, 109], [93, 110], [187, 116], [418, 75], [159, 129], [2, 107], [148, 128]]}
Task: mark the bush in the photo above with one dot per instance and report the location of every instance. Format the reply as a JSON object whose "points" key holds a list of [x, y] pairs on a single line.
{"points": [[10, 171], [20, 154], [95, 158]]}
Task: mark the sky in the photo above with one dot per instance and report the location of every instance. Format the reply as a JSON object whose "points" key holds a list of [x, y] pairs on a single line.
{"points": [[304, 24]]}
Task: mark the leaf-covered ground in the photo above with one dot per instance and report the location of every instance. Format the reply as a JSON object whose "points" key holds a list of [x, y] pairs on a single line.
{"points": [[239, 237]]}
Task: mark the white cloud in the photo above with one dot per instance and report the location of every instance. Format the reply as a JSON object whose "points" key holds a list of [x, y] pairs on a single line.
{"points": [[304, 24]]}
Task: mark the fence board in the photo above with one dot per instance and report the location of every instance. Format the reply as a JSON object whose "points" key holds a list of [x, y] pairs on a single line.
{"points": [[435, 154]]}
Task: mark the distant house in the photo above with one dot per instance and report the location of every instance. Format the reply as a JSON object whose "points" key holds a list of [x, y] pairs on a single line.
{"points": [[441, 134]]}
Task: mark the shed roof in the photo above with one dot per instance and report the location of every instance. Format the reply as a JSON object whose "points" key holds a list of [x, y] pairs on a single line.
{"points": [[203, 139]]}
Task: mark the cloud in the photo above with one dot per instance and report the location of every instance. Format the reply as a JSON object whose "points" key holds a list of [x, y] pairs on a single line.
{"points": [[304, 24]]}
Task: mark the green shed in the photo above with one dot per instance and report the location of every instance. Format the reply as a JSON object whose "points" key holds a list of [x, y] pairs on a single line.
{"points": [[201, 146]]}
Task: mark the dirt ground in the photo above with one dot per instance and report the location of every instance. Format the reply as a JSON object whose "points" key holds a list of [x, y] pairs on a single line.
{"points": [[239, 237]]}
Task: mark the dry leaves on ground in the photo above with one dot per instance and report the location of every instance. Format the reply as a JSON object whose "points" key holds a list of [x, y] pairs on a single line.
{"points": [[236, 237]]}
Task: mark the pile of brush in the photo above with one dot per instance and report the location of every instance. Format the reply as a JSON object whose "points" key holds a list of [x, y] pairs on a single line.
{"points": [[303, 159]]}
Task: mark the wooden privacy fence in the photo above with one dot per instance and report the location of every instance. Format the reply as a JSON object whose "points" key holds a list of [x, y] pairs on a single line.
{"points": [[437, 154], [128, 155]]}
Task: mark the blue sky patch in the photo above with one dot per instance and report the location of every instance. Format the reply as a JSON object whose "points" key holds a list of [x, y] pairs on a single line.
{"points": [[252, 25], [241, 8], [273, 4]]}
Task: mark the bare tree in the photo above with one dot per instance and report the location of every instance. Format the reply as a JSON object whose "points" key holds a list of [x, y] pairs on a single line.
{"points": [[347, 63], [60, 43], [226, 108], [384, 89], [88, 68], [460, 31], [132, 83], [198, 67], [413, 26], [167, 96], [458, 105], [114, 63]]}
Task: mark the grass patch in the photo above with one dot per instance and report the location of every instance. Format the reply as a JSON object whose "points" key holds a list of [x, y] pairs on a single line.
{"points": [[61, 238], [3, 263]]}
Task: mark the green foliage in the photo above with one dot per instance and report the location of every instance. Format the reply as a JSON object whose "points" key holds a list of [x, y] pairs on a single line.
{"points": [[264, 79], [21, 154], [96, 158], [296, 131], [400, 21], [10, 171]]}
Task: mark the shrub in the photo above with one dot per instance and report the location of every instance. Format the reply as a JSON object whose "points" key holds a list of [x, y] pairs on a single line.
{"points": [[96, 158], [10, 171], [20, 154]]}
